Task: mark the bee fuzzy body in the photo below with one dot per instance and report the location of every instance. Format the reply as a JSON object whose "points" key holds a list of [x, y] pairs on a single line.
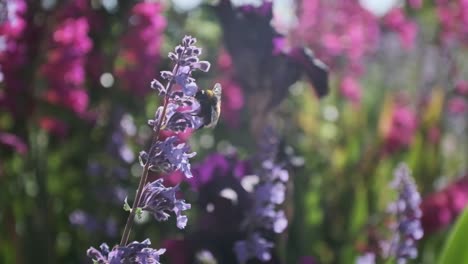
{"points": [[210, 105]]}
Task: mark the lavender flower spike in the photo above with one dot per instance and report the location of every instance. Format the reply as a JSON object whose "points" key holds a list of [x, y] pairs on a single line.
{"points": [[265, 217], [160, 200], [407, 229], [169, 155], [135, 252]]}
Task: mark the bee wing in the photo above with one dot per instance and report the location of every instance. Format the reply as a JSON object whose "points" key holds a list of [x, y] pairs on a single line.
{"points": [[217, 89]]}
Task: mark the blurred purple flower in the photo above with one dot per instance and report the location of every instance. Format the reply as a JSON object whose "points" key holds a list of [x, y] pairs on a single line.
{"points": [[255, 246], [367, 258], [159, 200], [407, 229], [269, 193], [141, 45], [135, 252], [83, 219]]}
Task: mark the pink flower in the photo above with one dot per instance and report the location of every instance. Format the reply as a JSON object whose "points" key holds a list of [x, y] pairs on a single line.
{"points": [[232, 100], [402, 128], [64, 69], [441, 208], [53, 126], [453, 17], [405, 28], [14, 142], [415, 4], [140, 47], [351, 89], [340, 32], [461, 87], [457, 105]]}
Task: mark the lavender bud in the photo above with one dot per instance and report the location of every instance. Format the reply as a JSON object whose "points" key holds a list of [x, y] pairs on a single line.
{"points": [[197, 51], [168, 156], [203, 66], [167, 75], [179, 49], [190, 89], [160, 200], [156, 85], [188, 41], [134, 252], [173, 57], [192, 59]]}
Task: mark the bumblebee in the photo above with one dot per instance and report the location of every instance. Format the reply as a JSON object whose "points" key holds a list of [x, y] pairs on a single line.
{"points": [[210, 105]]}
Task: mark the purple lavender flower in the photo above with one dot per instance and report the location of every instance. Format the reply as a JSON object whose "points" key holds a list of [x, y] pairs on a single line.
{"points": [[178, 114], [159, 200], [407, 230], [265, 216], [367, 258], [255, 246], [186, 57], [134, 252], [169, 155]]}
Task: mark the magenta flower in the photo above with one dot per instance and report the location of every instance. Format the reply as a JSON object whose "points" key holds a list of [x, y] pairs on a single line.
{"points": [[141, 44], [340, 31], [453, 18], [403, 126], [351, 89], [13, 57], [406, 29], [64, 68], [233, 95], [461, 87], [14, 142], [457, 105], [441, 208]]}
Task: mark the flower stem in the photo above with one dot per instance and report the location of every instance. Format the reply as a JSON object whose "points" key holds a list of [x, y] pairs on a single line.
{"points": [[144, 176]]}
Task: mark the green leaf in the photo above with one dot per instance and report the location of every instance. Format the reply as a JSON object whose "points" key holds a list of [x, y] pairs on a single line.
{"points": [[139, 212], [126, 206], [455, 250]]}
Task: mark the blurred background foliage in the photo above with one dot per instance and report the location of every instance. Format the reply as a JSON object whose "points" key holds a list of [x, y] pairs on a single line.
{"points": [[75, 99]]}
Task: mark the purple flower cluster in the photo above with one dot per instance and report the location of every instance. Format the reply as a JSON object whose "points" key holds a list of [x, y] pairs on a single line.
{"points": [[158, 200], [64, 68], [141, 46], [265, 217], [407, 229], [179, 114], [135, 252]]}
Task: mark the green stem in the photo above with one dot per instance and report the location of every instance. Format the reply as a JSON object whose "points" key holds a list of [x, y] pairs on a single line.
{"points": [[144, 176]]}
